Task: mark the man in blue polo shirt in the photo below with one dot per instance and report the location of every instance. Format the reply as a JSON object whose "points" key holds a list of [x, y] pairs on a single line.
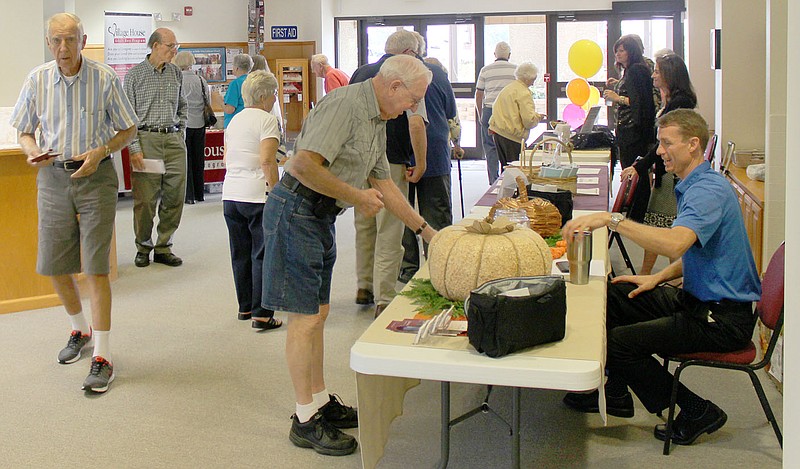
{"points": [[712, 312]]}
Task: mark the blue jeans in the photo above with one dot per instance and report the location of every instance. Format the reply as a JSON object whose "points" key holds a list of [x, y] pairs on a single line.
{"points": [[299, 253], [489, 150], [246, 237]]}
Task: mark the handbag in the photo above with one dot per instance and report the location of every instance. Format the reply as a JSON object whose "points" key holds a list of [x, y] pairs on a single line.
{"points": [[512, 314], [209, 118]]}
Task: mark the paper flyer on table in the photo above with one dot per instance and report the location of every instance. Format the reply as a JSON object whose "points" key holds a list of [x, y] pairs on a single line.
{"points": [[587, 171], [593, 191], [588, 180], [152, 166]]}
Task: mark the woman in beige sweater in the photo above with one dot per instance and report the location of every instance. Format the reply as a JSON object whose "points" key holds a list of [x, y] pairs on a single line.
{"points": [[514, 114]]}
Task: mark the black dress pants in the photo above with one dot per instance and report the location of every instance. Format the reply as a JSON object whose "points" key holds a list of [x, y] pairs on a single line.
{"points": [[432, 198], [507, 150], [666, 320], [195, 163]]}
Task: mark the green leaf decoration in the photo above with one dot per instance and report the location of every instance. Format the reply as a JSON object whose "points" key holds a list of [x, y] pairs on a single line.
{"points": [[429, 301]]}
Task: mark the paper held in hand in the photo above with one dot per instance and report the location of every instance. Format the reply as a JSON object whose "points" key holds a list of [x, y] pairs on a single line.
{"points": [[152, 166]]}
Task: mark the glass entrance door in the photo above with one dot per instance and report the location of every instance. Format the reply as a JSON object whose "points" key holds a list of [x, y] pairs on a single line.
{"points": [[453, 44]]}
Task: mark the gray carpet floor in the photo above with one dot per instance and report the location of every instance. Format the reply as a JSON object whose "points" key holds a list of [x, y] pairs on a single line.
{"points": [[195, 387]]}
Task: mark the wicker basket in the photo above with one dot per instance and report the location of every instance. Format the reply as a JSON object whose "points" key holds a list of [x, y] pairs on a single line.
{"points": [[532, 172], [545, 219]]}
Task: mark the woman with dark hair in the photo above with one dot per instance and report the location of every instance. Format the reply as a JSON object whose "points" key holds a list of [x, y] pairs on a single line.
{"points": [[671, 77], [635, 113]]}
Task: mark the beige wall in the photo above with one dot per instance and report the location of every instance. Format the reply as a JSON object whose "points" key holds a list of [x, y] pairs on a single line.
{"points": [[775, 188], [791, 351], [699, 22], [23, 35]]}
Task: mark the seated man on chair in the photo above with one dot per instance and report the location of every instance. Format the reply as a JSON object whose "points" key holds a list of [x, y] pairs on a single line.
{"points": [[712, 312]]}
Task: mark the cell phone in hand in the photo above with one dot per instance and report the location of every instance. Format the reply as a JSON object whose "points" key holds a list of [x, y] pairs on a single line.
{"points": [[563, 266], [44, 156]]}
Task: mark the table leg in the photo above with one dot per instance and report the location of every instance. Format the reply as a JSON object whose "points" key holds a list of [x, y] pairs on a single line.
{"points": [[445, 437], [515, 428]]}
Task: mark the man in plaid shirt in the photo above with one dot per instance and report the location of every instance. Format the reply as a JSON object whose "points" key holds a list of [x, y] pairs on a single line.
{"points": [[154, 89]]}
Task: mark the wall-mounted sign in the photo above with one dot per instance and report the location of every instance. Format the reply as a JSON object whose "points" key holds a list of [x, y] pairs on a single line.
{"points": [[284, 32]]}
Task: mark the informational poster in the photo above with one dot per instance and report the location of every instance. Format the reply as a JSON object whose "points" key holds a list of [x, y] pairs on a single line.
{"points": [[126, 37], [208, 62], [231, 53]]}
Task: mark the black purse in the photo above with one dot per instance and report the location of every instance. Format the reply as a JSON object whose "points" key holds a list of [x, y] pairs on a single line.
{"points": [[208, 114], [512, 314]]}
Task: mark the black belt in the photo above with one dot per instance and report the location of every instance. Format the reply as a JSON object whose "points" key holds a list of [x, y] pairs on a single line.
{"points": [[162, 130], [74, 165], [323, 205]]}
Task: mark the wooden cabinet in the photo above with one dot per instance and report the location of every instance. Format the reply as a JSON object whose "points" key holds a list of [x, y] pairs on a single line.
{"points": [[293, 91], [21, 287], [751, 200]]}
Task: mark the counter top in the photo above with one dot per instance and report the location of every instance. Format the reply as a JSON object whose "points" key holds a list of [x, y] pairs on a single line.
{"points": [[754, 188]]}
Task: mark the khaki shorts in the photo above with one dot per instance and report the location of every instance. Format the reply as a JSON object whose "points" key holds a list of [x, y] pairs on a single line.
{"points": [[63, 241]]}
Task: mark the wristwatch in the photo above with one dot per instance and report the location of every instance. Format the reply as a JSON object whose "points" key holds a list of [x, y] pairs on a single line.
{"points": [[616, 218]]}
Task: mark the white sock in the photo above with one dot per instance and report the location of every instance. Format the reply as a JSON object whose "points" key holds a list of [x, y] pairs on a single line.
{"points": [[305, 411], [321, 398], [79, 323], [101, 344]]}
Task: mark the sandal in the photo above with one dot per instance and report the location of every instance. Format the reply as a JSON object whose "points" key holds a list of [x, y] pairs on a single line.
{"points": [[270, 323]]}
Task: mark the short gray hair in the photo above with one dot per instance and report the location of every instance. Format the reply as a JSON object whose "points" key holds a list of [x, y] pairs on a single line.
{"points": [[319, 59], [153, 39], [405, 68], [259, 63], [243, 62], [401, 41], [526, 72], [502, 50], [257, 86], [62, 18], [184, 60]]}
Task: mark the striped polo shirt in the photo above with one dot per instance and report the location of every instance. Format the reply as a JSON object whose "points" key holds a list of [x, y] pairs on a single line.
{"points": [[77, 114], [493, 78]]}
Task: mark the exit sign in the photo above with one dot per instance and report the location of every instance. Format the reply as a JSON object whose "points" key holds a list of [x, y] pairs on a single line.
{"points": [[284, 32]]}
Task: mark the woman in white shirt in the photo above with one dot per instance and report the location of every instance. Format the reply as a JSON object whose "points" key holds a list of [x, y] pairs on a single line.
{"points": [[251, 143]]}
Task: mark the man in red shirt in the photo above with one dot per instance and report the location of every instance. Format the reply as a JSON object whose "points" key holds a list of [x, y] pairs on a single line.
{"points": [[333, 77]]}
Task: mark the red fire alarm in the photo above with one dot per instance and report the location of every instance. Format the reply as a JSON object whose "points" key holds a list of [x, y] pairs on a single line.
{"points": [[547, 78], [187, 11]]}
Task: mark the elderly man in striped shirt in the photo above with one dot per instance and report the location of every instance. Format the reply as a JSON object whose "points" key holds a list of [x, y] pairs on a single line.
{"points": [[491, 80], [84, 116]]}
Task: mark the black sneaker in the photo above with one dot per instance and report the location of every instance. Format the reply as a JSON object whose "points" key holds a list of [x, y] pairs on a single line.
{"points": [[100, 376], [72, 352], [338, 414], [320, 435]]}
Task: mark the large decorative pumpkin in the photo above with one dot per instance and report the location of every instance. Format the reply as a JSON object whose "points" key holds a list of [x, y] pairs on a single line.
{"points": [[462, 258]]}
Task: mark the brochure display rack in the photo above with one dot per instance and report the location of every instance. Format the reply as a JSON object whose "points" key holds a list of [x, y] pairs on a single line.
{"points": [[293, 91]]}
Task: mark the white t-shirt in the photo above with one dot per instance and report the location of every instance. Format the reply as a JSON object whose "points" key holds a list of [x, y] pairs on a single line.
{"points": [[244, 178]]}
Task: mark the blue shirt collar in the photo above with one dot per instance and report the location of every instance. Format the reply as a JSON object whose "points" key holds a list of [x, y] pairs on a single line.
{"points": [[693, 177]]}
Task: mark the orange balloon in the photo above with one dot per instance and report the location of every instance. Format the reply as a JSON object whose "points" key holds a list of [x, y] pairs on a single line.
{"points": [[578, 91]]}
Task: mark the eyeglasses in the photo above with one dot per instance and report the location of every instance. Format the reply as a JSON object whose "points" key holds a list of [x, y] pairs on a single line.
{"points": [[414, 98], [172, 46]]}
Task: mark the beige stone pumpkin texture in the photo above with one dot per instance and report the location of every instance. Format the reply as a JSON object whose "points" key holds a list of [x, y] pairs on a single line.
{"points": [[461, 260]]}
